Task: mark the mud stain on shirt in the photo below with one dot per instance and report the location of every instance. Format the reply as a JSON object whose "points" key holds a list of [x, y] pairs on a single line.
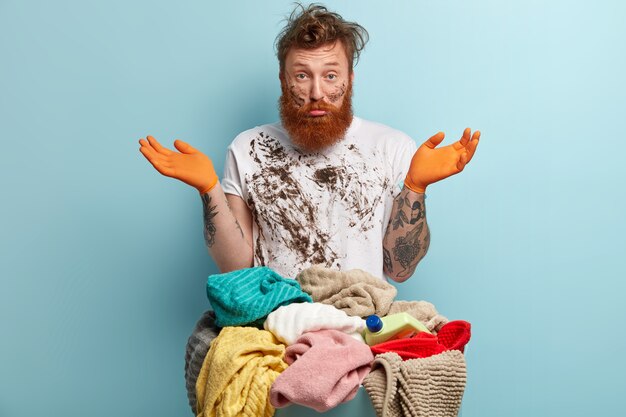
{"points": [[293, 196]]}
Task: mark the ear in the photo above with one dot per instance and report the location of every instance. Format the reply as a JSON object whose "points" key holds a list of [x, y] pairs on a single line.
{"points": [[352, 77]]}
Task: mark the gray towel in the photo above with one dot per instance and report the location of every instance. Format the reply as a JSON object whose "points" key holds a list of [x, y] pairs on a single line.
{"points": [[356, 292], [197, 348], [425, 387], [421, 310]]}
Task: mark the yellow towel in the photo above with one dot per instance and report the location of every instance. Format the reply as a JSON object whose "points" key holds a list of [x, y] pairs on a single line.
{"points": [[238, 372]]}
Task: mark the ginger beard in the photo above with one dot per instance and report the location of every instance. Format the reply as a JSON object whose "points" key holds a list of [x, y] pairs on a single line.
{"points": [[313, 133]]}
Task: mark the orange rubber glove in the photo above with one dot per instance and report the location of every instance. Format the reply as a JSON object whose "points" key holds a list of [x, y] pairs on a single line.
{"points": [[431, 164], [189, 165]]}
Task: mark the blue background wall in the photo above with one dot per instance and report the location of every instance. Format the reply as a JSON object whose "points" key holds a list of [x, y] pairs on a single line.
{"points": [[103, 261]]}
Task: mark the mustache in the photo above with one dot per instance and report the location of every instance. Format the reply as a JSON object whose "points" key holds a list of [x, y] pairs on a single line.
{"points": [[322, 105]]}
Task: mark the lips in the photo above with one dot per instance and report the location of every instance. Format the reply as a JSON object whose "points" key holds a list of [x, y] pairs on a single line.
{"points": [[317, 113]]}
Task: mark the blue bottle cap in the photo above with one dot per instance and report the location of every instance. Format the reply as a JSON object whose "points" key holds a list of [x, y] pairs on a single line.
{"points": [[374, 323]]}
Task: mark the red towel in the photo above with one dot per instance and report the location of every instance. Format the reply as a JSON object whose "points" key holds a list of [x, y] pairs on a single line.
{"points": [[453, 335]]}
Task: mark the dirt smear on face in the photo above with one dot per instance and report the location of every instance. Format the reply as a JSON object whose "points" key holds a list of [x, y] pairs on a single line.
{"points": [[340, 92]]}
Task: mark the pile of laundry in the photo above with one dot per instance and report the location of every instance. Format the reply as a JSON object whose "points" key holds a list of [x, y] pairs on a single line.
{"points": [[271, 341]]}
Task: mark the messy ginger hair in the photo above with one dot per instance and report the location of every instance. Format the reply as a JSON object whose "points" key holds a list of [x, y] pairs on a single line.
{"points": [[313, 26]]}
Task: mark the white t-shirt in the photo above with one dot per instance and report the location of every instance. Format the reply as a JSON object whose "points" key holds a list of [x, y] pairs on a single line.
{"points": [[329, 207]]}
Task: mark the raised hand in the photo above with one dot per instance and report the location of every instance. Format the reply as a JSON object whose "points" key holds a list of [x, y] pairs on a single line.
{"points": [[189, 165], [431, 164]]}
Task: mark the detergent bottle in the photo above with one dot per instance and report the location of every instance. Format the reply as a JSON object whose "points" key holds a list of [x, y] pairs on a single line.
{"points": [[395, 326]]}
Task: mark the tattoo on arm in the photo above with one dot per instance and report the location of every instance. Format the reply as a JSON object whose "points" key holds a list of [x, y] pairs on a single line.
{"points": [[387, 260], [408, 249], [407, 237], [236, 221], [400, 217], [239, 227], [209, 225], [417, 212]]}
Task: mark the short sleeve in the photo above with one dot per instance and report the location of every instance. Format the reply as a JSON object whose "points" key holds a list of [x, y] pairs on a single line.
{"points": [[232, 180], [403, 154]]}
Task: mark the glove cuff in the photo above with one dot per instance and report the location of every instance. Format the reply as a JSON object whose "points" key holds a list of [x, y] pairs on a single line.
{"points": [[209, 187], [415, 188]]}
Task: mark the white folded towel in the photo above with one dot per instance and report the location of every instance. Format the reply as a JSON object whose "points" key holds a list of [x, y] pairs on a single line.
{"points": [[289, 322]]}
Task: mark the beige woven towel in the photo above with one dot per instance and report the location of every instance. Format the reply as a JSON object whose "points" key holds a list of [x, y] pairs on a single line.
{"points": [[426, 387], [381, 385], [356, 292], [421, 310]]}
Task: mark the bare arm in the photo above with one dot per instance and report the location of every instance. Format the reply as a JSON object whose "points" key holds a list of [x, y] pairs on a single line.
{"points": [[229, 244], [407, 237], [227, 229]]}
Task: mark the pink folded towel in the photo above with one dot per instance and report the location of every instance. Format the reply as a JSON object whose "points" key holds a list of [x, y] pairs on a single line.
{"points": [[325, 369]]}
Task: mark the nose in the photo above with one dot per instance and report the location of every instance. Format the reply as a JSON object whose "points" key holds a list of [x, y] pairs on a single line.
{"points": [[316, 93]]}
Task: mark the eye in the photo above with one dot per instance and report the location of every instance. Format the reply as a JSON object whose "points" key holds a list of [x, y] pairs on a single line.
{"points": [[301, 76], [331, 76]]}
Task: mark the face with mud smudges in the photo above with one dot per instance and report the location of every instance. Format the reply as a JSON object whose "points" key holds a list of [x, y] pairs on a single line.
{"points": [[316, 100]]}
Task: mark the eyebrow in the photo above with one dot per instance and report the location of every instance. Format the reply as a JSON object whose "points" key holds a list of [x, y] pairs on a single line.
{"points": [[328, 64]]}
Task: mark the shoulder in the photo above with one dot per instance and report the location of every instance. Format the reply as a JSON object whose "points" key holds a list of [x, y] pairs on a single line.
{"points": [[243, 140], [379, 132]]}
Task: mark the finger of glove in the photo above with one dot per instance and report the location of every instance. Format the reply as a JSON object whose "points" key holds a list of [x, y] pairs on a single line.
{"points": [[471, 148], [435, 140], [151, 154], [184, 147], [145, 143], [461, 144], [465, 138], [473, 144], [460, 165], [158, 147]]}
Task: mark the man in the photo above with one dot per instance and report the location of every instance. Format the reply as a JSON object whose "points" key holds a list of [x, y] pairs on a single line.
{"points": [[321, 187]]}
